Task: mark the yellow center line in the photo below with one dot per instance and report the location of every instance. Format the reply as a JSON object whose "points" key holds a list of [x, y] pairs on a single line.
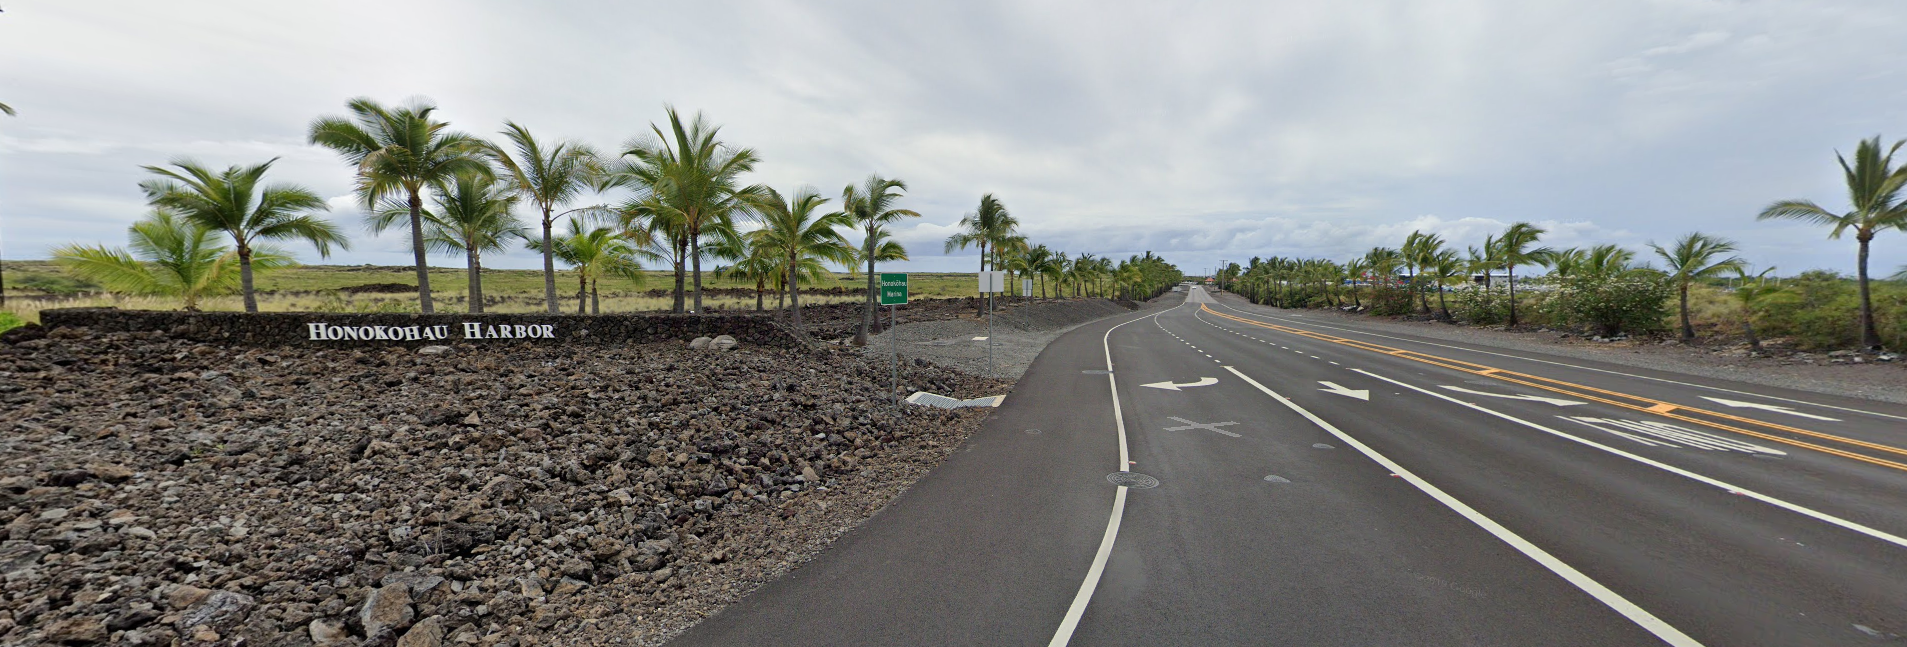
{"points": [[1623, 400]]}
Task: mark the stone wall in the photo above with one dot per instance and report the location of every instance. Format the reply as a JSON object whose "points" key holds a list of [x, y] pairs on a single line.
{"points": [[386, 329]]}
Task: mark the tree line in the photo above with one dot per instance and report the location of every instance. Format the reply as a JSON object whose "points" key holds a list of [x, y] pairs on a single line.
{"points": [[1602, 286], [684, 200]]}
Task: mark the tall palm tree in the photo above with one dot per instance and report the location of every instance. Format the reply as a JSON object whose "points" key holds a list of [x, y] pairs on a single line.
{"points": [[547, 174], [752, 261], [472, 216], [1874, 196], [1696, 256], [401, 152], [1038, 261], [802, 233], [170, 256], [236, 202], [987, 225], [871, 206], [1514, 249], [1607, 260], [694, 177], [1444, 269]]}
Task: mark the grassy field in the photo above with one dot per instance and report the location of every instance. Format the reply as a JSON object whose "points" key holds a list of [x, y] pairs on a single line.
{"points": [[35, 285]]}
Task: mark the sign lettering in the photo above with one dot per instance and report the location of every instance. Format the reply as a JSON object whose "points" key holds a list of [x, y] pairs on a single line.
{"points": [[320, 331]]}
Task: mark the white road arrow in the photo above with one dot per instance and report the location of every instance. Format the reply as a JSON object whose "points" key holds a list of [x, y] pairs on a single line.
{"points": [[1349, 393], [1203, 381], [1512, 396], [1767, 407]]}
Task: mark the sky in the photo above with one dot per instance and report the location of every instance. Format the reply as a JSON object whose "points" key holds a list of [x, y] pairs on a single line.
{"points": [[1200, 131]]}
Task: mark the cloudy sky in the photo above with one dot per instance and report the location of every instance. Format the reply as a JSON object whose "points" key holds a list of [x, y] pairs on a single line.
{"points": [[1197, 130]]}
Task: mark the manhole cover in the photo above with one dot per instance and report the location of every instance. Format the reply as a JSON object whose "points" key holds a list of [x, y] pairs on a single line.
{"points": [[1277, 479], [1132, 479], [1322, 446], [1097, 372]]}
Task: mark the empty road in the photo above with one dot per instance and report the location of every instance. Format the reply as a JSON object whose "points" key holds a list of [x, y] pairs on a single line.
{"points": [[1293, 480]]}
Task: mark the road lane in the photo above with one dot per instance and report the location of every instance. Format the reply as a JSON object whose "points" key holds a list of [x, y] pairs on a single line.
{"points": [[1272, 529], [1340, 553], [1727, 569]]}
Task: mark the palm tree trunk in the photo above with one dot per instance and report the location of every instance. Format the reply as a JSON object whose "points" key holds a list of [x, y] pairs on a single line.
{"points": [[1688, 331], [476, 283], [681, 244], [1512, 280], [549, 264], [867, 314], [582, 292], [794, 297], [1748, 327], [760, 282], [417, 251], [695, 259], [245, 276], [1441, 304], [595, 301], [1870, 338]]}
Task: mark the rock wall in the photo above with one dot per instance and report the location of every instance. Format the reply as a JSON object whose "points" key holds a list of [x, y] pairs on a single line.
{"points": [[319, 329]]}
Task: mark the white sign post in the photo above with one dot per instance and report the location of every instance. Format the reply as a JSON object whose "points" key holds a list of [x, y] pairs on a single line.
{"points": [[991, 283], [1026, 287]]}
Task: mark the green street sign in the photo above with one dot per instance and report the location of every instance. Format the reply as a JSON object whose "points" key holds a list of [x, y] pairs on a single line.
{"points": [[893, 289]]}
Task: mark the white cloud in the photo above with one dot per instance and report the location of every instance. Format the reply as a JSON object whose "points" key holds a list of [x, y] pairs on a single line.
{"points": [[1239, 128]]}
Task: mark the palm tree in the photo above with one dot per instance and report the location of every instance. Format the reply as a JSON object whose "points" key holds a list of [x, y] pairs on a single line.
{"points": [[1446, 268], [1874, 195], [1694, 256], [1607, 260], [234, 202], [171, 256], [594, 252], [801, 234], [472, 216], [871, 207], [695, 178], [6, 110], [548, 175], [1420, 251], [1514, 249], [400, 152], [1038, 259], [985, 226]]}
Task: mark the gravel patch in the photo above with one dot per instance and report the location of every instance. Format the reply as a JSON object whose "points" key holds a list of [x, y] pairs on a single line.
{"points": [[1020, 333], [1814, 373], [156, 491]]}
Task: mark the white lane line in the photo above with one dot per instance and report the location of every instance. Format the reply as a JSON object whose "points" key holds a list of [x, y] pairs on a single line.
{"points": [[1614, 600], [1729, 487], [1070, 622], [1586, 368]]}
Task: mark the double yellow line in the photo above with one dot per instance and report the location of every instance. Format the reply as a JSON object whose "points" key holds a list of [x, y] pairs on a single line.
{"points": [[1704, 417]]}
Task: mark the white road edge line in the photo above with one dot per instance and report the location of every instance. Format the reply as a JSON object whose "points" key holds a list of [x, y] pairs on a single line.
{"points": [[1070, 622], [1822, 516], [1615, 601], [1586, 368]]}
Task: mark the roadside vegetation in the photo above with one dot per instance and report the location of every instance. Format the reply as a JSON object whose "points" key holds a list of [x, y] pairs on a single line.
{"points": [[626, 230], [1695, 288]]}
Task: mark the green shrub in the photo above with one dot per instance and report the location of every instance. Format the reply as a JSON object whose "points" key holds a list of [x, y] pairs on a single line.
{"points": [[9, 321], [1480, 307], [1388, 300], [1614, 305], [53, 283]]}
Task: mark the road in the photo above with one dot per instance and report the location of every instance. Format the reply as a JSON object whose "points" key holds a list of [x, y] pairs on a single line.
{"points": [[1323, 484]]}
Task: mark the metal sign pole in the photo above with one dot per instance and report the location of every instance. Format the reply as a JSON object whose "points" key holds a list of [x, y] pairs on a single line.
{"points": [[894, 380], [989, 334]]}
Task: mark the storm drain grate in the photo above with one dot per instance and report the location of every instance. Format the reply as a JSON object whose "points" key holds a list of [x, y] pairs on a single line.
{"points": [[1132, 480]]}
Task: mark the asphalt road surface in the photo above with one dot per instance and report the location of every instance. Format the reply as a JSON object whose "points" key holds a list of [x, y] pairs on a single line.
{"points": [[1319, 484]]}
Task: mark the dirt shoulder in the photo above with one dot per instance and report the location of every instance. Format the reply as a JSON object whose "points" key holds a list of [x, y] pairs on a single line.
{"points": [[1018, 335], [1840, 375]]}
